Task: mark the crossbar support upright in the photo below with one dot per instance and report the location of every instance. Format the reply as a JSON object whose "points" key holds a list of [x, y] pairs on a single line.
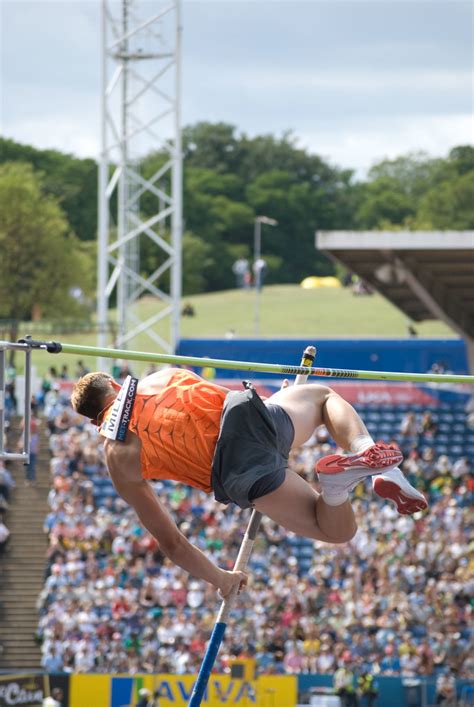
{"points": [[24, 455]]}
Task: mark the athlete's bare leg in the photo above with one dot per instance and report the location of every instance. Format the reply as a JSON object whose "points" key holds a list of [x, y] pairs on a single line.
{"points": [[298, 507], [329, 516], [295, 504], [311, 405]]}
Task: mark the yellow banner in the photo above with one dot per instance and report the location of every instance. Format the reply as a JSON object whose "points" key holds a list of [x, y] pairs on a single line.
{"points": [[175, 691], [90, 691]]}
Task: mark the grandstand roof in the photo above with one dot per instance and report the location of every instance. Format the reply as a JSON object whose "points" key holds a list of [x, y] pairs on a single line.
{"points": [[426, 274]]}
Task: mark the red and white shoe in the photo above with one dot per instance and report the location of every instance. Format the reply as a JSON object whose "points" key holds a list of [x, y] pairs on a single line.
{"points": [[341, 472], [395, 487], [376, 459]]}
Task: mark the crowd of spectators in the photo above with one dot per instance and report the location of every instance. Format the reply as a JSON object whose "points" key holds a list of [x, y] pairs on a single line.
{"points": [[7, 482], [396, 599]]}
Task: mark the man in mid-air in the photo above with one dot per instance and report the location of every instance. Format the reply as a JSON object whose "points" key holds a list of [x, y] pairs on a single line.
{"points": [[175, 425]]}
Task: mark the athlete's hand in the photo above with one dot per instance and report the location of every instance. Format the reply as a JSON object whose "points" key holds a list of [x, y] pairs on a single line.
{"points": [[229, 580]]}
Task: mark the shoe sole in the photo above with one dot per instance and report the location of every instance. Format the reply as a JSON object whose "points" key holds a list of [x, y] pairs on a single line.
{"points": [[379, 457], [406, 505]]}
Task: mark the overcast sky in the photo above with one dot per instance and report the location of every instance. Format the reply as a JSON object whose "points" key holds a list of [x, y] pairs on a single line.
{"points": [[356, 81]]}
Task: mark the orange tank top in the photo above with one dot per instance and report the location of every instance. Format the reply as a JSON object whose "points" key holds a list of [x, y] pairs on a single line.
{"points": [[178, 429]]}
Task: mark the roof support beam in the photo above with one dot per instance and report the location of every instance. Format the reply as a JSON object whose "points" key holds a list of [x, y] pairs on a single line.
{"points": [[438, 305]]}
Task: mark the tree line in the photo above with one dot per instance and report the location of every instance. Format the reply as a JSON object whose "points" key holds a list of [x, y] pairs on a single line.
{"points": [[48, 212]]}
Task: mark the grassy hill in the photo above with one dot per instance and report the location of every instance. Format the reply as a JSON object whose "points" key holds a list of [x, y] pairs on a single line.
{"points": [[285, 311]]}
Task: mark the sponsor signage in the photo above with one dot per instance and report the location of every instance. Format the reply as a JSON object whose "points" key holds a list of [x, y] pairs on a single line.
{"points": [[116, 421], [175, 691], [19, 690]]}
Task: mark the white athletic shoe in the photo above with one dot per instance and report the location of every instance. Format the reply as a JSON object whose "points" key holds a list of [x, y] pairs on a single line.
{"points": [[340, 473], [396, 487]]}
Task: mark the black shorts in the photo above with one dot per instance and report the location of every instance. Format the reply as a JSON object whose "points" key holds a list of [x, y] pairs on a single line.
{"points": [[252, 449]]}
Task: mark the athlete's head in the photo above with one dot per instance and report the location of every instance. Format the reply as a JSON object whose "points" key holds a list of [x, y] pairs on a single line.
{"points": [[92, 393]]}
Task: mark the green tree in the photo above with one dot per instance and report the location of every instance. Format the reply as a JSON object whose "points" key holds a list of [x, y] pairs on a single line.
{"points": [[213, 146], [229, 179], [450, 205], [462, 158], [394, 189], [40, 266], [195, 250], [384, 200], [71, 180]]}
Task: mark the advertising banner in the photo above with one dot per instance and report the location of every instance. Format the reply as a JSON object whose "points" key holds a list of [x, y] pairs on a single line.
{"points": [[23, 690], [175, 691]]}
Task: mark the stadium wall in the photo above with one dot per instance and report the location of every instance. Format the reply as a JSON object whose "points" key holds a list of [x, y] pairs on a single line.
{"points": [[174, 691], [122, 690], [405, 355]]}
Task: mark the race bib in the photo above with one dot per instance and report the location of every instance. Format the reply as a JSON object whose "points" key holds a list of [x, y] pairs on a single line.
{"points": [[117, 419]]}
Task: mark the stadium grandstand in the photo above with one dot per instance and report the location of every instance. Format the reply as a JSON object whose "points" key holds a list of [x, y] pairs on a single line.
{"points": [[426, 274], [85, 589]]}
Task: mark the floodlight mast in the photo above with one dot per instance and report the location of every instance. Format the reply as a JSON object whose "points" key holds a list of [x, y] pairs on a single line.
{"points": [[141, 77]]}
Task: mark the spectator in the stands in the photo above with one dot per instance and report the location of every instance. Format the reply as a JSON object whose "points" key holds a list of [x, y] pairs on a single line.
{"points": [[428, 426], [49, 379], [51, 662], [438, 367], [81, 370], [344, 686], [4, 535], [461, 468], [446, 689], [409, 425], [6, 481], [30, 468], [367, 687], [470, 413], [123, 372], [10, 390]]}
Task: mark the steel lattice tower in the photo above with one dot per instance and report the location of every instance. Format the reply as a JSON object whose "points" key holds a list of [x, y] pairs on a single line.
{"points": [[140, 115]]}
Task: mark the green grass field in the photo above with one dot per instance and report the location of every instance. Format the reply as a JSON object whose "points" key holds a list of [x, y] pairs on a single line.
{"points": [[285, 311]]}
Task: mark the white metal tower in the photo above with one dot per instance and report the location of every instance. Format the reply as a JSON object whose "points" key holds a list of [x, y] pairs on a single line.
{"points": [[140, 115]]}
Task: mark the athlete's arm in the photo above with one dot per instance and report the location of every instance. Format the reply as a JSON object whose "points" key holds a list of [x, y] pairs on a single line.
{"points": [[124, 469]]}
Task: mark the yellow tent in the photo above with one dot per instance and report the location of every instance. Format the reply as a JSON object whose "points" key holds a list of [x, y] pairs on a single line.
{"points": [[310, 283]]}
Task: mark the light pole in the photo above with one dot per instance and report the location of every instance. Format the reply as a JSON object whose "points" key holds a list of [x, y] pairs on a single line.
{"points": [[257, 264]]}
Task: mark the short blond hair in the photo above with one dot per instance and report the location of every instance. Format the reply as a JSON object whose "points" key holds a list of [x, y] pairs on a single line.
{"points": [[88, 394]]}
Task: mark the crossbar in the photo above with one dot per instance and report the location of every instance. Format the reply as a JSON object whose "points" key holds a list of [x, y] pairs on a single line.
{"points": [[281, 369]]}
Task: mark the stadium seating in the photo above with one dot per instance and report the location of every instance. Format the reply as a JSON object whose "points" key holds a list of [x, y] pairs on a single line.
{"points": [[96, 614]]}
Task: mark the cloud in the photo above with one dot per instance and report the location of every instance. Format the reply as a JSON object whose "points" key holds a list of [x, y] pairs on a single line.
{"points": [[389, 138], [355, 79]]}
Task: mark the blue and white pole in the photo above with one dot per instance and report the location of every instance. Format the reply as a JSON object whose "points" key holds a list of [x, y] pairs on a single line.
{"points": [[240, 565]]}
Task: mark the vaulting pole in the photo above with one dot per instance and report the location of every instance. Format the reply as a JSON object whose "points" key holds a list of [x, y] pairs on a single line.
{"points": [[240, 565]]}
